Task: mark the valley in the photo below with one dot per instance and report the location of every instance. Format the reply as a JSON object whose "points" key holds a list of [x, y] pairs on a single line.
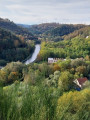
{"points": [[31, 88]]}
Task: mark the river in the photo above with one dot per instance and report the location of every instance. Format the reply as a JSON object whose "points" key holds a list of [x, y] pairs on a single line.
{"points": [[34, 55]]}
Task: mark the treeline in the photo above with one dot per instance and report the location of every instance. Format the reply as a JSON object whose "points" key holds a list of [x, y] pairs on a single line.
{"points": [[74, 48], [13, 48]]}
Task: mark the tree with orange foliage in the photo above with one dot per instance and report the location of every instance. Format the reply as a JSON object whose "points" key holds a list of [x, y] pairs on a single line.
{"points": [[56, 67]]}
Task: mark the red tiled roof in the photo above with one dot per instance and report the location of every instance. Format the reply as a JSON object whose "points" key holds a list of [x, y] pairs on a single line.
{"points": [[82, 80]]}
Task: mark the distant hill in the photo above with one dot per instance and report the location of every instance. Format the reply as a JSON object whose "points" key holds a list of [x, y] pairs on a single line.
{"points": [[54, 29], [12, 27], [83, 32], [8, 40], [24, 25], [64, 29], [42, 28]]}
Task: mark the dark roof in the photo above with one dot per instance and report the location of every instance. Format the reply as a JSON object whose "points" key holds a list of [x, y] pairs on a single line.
{"points": [[82, 80]]}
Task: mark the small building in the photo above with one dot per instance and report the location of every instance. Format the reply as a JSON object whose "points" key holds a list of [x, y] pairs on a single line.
{"points": [[54, 60], [79, 83], [50, 60]]}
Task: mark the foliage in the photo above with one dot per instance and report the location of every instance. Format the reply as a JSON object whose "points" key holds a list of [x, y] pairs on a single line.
{"points": [[64, 29], [42, 28], [13, 48], [12, 27], [65, 48], [41, 91], [65, 81], [12, 72], [74, 105]]}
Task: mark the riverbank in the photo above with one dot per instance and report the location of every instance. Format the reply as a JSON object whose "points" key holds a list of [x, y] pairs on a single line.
{"points": [[32, 57]]}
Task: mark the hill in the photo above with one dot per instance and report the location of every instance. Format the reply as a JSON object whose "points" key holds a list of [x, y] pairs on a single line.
{"points": [[75, 48], [83, 32], [24, 25], [42, 28], [64, 29], [54, 29], [12, 27], [13, 47]]}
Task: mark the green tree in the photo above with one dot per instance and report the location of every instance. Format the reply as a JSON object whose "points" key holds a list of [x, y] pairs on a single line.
{"points": [[65, 81]]}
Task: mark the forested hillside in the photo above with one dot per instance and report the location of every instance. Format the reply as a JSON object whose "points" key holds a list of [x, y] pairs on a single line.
{"points": [[12, 27], [13, 48], [63, 29], [46, 91], [55, 31], [74, 48], [42, 28], [83, 32]]}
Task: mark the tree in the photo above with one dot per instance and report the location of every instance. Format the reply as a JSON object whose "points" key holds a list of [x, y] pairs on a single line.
{"points": [[56, 67], [81, 70], [74, 106], [65, 81]]}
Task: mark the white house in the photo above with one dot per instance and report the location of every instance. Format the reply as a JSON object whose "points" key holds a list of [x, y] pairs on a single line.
{"points": [[54, 60], [50, 60]]}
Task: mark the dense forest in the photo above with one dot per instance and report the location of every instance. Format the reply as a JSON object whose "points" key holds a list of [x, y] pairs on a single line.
{"points": [[83, 32], [40, 90], [54, 29], [63, 29], [75, 48], [12, 27], [42, 28], [13, 47]]}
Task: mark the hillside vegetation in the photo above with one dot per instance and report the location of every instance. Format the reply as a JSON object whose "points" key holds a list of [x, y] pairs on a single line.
{"points": [[12, 27], [43, 91], [63, 29], [42, 28], [83, 32], [13, 48], [74, 48]]}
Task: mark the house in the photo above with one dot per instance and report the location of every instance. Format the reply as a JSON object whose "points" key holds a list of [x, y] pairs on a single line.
{"points": [[54, 60], [50, 60], [79, 83]]}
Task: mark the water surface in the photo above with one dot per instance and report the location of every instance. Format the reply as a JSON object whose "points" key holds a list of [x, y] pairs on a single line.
{"points": [[34, 55]]}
